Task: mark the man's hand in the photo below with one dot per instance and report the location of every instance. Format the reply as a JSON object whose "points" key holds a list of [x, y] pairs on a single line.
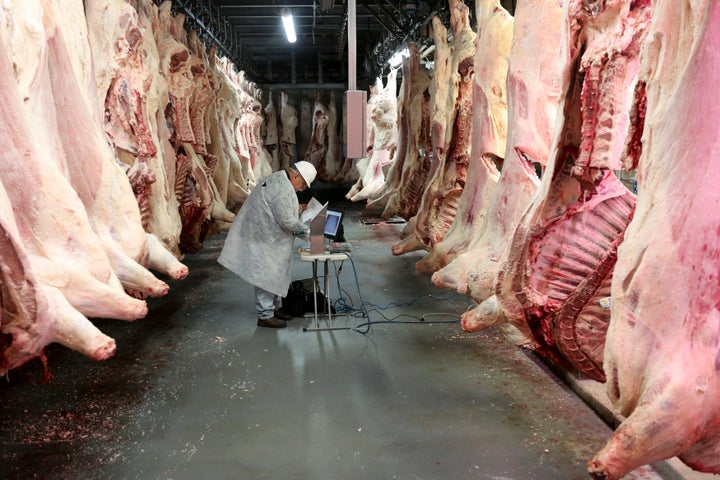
{"points": [[303, 207]]}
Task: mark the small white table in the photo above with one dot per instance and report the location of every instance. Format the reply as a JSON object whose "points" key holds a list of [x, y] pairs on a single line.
{"points": [[325, 258]]}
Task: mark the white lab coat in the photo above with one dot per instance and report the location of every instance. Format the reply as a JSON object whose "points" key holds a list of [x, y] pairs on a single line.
{"points": [[259, 245]]}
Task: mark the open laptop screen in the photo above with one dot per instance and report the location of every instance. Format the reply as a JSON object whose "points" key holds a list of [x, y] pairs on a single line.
{"points": [[332, 223]]}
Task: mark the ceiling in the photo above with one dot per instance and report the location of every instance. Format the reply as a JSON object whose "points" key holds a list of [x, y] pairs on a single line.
{"points": [[250, 33]]}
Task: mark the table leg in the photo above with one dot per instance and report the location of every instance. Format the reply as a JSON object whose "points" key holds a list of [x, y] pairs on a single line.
{"points": [[327, 294], [326, 283], [314, 280]]}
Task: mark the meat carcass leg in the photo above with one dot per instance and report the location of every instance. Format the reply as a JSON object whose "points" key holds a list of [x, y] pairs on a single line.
{"points": [[34, 314]]}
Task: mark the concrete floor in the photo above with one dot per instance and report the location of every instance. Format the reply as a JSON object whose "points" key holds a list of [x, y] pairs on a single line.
{"points": [[197, 391]]}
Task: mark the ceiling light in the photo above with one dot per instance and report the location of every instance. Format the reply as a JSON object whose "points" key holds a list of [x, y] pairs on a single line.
{"points": [[397, 58], [287, 20]]}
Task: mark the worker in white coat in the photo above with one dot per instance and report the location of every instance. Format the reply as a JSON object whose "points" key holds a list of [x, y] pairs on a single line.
{"points": [[259, 245]]}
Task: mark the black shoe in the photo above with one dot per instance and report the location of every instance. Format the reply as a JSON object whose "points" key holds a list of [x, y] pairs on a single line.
{"points": [[282, 315], [271, 322]]}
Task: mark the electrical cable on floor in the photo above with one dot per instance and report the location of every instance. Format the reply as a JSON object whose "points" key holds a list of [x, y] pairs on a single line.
{"points": [[416, 320], [341, 305], [361, 310], [419, 297]]}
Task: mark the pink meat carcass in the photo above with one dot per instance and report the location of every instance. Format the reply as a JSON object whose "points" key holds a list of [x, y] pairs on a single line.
{"points": [[163, 219], [229, 112], [335, 169], [271, 131], [442, 190], [318, 147], [532, 95], [40, 312], [190, 89], [661, 353], [66, 103], [411, 164], [52, 218], [440, 109], [383, 121], [133, 94], [489, 132], [289, 122], [53, 266], [378, 167], [560, 261], [261, 157], [306, 121], [215, 148], [361, 165]]}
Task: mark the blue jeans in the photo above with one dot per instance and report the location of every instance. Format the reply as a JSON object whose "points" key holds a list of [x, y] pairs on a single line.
{"points": [[266, 303]]}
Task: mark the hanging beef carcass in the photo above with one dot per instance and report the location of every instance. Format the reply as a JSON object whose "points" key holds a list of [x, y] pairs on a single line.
{"points": [[441, 88], [163, 220], [53, 267], [239, 183], [318, 147], [532, 95], [271, 132], [411, 164], [661, 352], [264, 165], [203, 97], [383, 113], [306, 122], [334, 169], [361, 164], [64, 100], [447, 179], [560, 261], [242, 127], [203, 93], [174, 62], [51, 219], [383, 120], [216, 151], [437, 118], [188, 79], [489, 132], [134, 96], [442, 191], [289, 121], [252, 122], [177, 66], [35, 313]]}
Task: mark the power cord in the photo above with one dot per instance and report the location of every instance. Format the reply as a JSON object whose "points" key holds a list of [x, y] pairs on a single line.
{"points": [[345, 304]]}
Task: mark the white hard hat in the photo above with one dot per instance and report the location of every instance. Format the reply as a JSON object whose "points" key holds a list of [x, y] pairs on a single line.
{"points": [[306, 170]]}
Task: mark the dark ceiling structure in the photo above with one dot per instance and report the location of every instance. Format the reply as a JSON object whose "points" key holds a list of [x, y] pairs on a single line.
{"points": [[250, 33]]}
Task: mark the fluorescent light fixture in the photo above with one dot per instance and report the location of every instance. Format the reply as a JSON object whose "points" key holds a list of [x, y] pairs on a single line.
{"points": [[287, 20], [397, 58]]}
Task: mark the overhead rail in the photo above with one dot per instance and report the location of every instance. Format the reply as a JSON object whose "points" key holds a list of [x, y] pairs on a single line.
{"points": [[204, 16]]}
